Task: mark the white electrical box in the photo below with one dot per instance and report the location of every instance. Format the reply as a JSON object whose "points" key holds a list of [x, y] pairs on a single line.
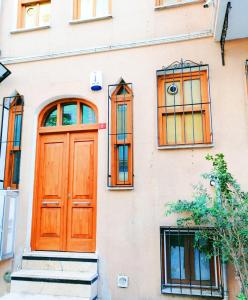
{"points": [[122, 281], [8, 204], [96, 81]]}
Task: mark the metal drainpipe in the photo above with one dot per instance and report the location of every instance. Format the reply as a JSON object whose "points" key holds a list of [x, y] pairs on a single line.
{"points": [[223, 264]]}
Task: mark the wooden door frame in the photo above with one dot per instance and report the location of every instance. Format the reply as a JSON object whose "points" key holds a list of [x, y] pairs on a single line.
{"points": [[41, 130]]}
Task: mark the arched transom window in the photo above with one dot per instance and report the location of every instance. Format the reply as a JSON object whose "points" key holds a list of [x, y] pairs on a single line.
{"points": [[68, 113]]}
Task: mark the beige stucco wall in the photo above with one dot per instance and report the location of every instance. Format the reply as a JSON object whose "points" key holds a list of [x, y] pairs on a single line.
{"points": [[128, 221]]}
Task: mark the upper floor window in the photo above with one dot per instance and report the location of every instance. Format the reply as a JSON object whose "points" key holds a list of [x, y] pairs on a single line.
{"points": [[164, 3], [87, 9], [69, 113], [183, 105], [11, 132], [186, 268], [34, 13], [120, 131]]}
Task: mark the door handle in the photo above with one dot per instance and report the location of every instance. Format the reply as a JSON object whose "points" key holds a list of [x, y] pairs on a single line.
{"points": [[50, 202], [78, 203]]}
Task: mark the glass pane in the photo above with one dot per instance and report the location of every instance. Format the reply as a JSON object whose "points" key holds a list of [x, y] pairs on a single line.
{"points": [[174, 128], [88, 115], [121, 121], [16, 168], [202, 266], [30, 16], [51, 119], [177, 257], [86, 9], [44, 14], [193, 131], [17, 131], [123, 163], [102, 8], [69, 114], [192, 91], [172, 93]]}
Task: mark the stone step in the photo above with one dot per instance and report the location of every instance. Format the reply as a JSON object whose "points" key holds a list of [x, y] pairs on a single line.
{"points": [[56, 283], [60, 261], [22, 296]]}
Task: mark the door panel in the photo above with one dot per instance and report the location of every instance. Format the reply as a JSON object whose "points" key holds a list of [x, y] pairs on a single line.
{"points": [[82, 192], [51, 196]]}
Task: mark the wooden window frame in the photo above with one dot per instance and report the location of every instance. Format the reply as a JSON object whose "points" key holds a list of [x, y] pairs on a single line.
{"points": [[203, 107], [11, 148], [22, 4], [77, 9], [125, 99]]}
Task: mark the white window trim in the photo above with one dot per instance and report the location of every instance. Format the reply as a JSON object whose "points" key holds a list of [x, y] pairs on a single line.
{"points": [[176, 4], [20, 30], [79, 21]]}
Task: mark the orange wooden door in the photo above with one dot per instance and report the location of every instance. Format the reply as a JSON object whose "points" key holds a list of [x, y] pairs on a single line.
{"points": [[51, 193], [65, 210], [81, 229]]}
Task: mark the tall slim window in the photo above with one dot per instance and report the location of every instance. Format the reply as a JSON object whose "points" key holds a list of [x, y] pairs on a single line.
{"points": [[33, 13], [120, 171], [11, 132], [86, 9], [186, 268], [184, 105]]}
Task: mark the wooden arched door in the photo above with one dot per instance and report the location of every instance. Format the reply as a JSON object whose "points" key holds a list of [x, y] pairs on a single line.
{"points": [[64, 210]]}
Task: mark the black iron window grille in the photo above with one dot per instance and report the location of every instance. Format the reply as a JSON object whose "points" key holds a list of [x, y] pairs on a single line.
{"points": [[120, 135], [185, 269], [10, 150], [184, 105]]}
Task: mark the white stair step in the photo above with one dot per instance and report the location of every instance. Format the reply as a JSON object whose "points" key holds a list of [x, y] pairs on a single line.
{"points": [[59, 283], [22, 296], [68, 255]]}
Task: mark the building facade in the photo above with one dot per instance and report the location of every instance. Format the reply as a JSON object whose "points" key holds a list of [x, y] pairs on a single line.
{"points": [[107, 116]]}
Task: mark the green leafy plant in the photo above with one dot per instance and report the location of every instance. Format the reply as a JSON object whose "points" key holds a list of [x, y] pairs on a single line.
{"points": [[223, 214]]}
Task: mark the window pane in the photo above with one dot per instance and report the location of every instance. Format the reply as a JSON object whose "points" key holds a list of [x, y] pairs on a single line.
{"points": [[172, 93], [51, 119], [16, 168], [30, 16], [202, 266], [88, 115], [123, 163], [193, 131], [177, 257], [174, 128], [17, 131], [121, 121], [86, 9], [102, 8], [44, 14], [69, 114], [192, 91]]}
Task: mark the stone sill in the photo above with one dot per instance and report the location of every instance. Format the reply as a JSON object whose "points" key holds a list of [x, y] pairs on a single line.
{"points": [[200, 146], [185, 2], [184, 291], [79, 21], [22, 30], [123, 188]]}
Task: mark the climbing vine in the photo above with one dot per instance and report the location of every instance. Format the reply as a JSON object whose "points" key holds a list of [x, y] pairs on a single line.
{"points": [[223, 212]]}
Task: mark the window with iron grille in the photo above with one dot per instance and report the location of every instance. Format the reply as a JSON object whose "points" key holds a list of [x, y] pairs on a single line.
{"points": [[120, 135], [186, 269], [184, 106], [11, 132]]}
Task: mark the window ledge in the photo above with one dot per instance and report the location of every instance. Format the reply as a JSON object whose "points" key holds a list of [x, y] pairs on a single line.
{"points": [[184, 2], [79, 21], [185, 147], [21, 30], [192, 292], [121, 188]]}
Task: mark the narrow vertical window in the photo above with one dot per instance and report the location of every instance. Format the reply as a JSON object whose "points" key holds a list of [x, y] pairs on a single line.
{"points": [[184, 108], [11, 133], [120, 169], [34, 13]]}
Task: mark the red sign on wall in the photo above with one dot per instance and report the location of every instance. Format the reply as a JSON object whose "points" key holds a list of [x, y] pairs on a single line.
{"points": [[102, 125]]}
